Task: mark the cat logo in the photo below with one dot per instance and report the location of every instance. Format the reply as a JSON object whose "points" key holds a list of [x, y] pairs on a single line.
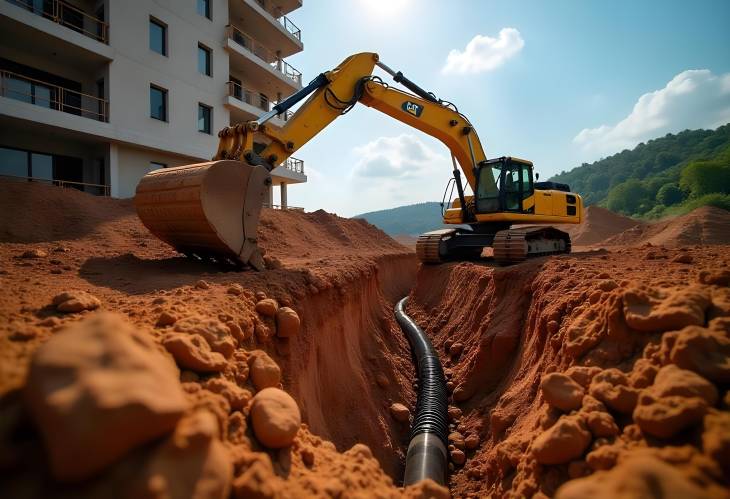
{"points": [[412, 108]]}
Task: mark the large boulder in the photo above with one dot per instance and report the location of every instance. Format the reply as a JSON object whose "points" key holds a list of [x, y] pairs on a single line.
{"points": [[275, 418], [97, 390]]}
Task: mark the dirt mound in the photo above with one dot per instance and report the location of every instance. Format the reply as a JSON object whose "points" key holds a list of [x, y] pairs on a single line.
{"points": [[705, 225], [327, 325], [586, 365], [599, 225]]}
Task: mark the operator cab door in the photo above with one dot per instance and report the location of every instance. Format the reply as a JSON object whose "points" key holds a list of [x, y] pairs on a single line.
{"points": [[504, 185]]}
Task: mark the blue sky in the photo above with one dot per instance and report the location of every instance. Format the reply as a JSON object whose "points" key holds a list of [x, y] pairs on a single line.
{"points": [[557, 82]]}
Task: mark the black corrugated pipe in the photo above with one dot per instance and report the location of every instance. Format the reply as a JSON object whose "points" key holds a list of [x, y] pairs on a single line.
{"points": [[427, 456]]}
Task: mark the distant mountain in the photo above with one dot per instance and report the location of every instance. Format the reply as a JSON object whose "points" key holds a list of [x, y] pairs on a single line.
{"points": [[670, 175], [411, 220]]}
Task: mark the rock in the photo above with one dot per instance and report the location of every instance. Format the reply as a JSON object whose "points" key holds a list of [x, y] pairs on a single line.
{"points": [[264, 371], [454, 413], [382, 380], [400, 412], [718, 277], [275, 418], [604, 457], [267, 307], [201, 284], [471, 441], [639, 476], [661, 309], [258, 481], [458, 457], [601, 424], [236, 396], [611, 387], [667, 416], [457, 440], [165, 319], [234, 289], [34, 253], [191, 351], [673, 381], [51, 322], [236, 332], [456, 349], [583, 375], [260, 295], [563, 442], [683, 258], [75, 301], [716, 439], [426, 489], [97, 390], [361, 451], [287, 322], [215, 333], [704, 351], [561, 392], [191, 463], [307, 457]]}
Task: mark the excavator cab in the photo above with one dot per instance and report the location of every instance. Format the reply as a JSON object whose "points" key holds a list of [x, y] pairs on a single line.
{"points": [[503, 184]]}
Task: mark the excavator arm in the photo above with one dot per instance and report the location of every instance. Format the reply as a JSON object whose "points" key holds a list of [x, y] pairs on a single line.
{"points": [[333, 94]]}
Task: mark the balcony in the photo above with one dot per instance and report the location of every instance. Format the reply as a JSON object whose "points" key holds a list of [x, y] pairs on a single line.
{"points": [[264, 54], [21, 88], [267, 23], [67, 15], [246, 104], [295, 165], [279, 7]]}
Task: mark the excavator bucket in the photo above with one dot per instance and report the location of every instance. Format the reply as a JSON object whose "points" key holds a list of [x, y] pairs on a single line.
{"points": [[207, 210]]}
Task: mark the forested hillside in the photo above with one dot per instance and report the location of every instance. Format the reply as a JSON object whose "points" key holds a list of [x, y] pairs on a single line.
{"points": [[412, 220], [665, 176]]}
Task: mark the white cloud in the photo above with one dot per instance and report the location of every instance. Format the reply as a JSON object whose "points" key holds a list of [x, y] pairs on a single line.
{"points": [[692, 99], [484, 53], [393, 171]]}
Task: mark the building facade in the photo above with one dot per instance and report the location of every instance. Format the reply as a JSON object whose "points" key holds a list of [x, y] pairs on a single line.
{"points": [[96, 93]]}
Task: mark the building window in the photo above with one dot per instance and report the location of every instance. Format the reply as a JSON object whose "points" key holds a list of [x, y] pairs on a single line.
{"points": [[204, 54], [158, 103], [204, 118], [204, 8], [158, 36]]}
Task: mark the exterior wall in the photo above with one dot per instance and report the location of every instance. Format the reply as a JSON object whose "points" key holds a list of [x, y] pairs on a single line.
{"points": [[129, 164]]}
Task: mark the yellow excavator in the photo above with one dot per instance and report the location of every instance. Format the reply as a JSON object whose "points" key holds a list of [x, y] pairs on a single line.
{"points": [[211, 210]]}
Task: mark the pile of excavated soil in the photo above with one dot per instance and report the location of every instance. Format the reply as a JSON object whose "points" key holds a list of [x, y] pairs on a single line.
{"points": [[596, 374], [705, 225], [128, 370], [599, 225]]}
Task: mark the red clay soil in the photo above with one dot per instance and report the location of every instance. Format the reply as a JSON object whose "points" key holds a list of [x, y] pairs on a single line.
{"points": [[599, 225], [67, 258], [596, 374]]}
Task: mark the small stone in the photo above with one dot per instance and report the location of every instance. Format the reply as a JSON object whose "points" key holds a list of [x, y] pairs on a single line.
{"points": [[454, 413], [456, 439], [458, 457], [563, 442], [307, 457], [683, 258], [34, 253], [75, 301], [561, 392], [260, 295], [267, 307], [165, 319], [264, 371], [472, 441], [456, 349], [201, 284], [235, 289], [287, 322], [382, 380], [400, 412], [601, 424], [275, 418], [236, 396], [50, 322], [191, 351]]}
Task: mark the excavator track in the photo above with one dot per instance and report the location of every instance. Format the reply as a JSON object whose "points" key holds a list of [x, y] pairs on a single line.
{"points": [[516, 245], [428, 245]]}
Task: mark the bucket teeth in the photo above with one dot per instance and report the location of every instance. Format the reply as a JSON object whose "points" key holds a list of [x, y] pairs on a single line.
{"points": [[207, 210]]}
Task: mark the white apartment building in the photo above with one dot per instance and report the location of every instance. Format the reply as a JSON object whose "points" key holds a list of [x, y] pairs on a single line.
{"points": [[96, 93]]}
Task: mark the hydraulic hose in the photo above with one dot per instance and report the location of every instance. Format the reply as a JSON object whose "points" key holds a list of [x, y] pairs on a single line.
{"points": [[427, 456]]}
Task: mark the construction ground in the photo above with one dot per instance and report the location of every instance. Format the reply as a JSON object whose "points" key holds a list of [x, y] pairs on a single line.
{"points": [[127, 370]]}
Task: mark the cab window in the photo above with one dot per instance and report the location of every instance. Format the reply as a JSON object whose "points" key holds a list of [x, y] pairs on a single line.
{"points": [[527, 187], [488, 189], [512, 189]]}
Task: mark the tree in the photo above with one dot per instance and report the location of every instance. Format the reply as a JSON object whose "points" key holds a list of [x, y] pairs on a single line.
{"points": [[627, 197], [705, 177], [669, 194]]}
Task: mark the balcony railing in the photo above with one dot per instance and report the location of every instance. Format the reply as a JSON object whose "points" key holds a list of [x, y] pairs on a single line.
{"points": [[295, 165], [263, 53], [253, 98], [40, 93], [280, 207], [96, 189], [67, 15], [290, 27]]}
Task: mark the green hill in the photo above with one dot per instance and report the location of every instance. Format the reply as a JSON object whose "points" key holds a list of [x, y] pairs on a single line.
{"points": [[412, 220], [665, 176]]}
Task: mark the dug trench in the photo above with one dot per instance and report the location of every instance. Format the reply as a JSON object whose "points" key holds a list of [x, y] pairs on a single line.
{"points": [[568, 376]]}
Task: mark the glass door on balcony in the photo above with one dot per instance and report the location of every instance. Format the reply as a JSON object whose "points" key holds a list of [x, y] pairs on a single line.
{"points": [[237, 90]]}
